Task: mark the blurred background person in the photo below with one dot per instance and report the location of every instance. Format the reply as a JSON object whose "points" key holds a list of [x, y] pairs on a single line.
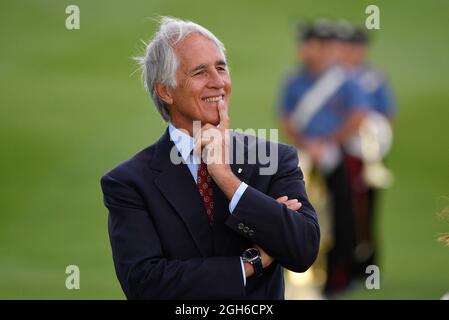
{"points": [[321, 106], [367, 149]]}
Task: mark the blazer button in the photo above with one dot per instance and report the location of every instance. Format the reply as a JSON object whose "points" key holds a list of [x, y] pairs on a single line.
{"points": [[251, 233], [245, 229], [240, 226]]}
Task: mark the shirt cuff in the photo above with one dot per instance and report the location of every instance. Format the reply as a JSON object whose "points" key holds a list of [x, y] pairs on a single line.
{"points": [[243, 272], [237, 195]]}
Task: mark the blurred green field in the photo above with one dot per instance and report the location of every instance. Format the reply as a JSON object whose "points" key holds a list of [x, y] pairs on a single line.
{"points": [[70, 110]]}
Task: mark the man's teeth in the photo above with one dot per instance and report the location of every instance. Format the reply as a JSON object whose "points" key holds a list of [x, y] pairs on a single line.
{"points": [[213, 99]]}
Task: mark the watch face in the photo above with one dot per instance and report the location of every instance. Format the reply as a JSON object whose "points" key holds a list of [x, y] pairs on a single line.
{"points": [[251, 254]]}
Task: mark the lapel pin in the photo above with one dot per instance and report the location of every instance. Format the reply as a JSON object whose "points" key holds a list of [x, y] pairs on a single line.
{"points": [[239, 170]]}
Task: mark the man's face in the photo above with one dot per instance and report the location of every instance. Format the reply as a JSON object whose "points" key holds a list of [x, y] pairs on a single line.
{"points": [[358, 53], [202, 80], [314, 53], [310, 52]]}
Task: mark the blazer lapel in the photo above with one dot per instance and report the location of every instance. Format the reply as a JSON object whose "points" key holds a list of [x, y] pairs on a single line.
{"points": [[177, 185]]}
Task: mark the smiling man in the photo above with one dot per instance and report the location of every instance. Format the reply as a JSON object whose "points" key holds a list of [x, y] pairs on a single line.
{"points": [[208, 227]]}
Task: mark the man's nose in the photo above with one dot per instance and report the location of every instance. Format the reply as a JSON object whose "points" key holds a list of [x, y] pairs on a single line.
{"points": [[216, 80]]}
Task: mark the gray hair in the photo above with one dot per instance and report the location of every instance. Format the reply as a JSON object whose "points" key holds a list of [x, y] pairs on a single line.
{"points": [[160, 63]]}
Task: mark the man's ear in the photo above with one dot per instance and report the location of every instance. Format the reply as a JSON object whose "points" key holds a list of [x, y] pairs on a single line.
{"points": [[164, 93]]}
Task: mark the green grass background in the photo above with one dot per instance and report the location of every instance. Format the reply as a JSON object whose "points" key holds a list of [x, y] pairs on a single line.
{"points": [[70, 110]]}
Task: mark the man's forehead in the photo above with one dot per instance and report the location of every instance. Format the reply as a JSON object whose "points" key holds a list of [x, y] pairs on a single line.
{"points": [[196, 49]]}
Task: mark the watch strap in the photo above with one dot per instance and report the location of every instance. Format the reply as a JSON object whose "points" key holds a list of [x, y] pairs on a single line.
{"points": [[258, 268]]}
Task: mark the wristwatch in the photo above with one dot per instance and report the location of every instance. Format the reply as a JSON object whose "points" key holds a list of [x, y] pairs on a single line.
{"points": [[252, 256]]}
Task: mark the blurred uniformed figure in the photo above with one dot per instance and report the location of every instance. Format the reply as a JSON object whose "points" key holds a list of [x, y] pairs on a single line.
{"points": [[320, 108], [367, 149]]}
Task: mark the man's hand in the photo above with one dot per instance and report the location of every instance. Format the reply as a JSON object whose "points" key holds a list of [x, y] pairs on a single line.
{"points": [[266, 261], [292, 204], [214, 143]]}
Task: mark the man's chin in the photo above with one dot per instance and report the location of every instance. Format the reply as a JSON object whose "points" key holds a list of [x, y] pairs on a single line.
{"points": [[215, 122], [211, 120]]}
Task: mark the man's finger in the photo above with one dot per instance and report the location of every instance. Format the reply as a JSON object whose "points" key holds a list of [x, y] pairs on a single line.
{"points": [[282, 199], [205, 141], [293, 204], [202, 138], [294, 207], [224, 117]]}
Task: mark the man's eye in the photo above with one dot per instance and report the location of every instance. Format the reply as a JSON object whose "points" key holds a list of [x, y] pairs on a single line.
{"points": [[221, 68], [198, 73]]}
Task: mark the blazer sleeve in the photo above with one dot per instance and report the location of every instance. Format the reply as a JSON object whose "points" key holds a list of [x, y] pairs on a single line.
{"points": [[291, 237], [142, 269]]}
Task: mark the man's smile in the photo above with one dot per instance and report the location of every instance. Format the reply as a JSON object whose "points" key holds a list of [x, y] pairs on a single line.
{"points": [[213, 99]]}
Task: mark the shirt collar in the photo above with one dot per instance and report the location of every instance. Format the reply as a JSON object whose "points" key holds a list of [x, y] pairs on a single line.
{"points": [[183, 142]]}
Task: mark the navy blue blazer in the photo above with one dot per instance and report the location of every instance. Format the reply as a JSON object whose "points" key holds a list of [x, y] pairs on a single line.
{"points": [[164, 248]]}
